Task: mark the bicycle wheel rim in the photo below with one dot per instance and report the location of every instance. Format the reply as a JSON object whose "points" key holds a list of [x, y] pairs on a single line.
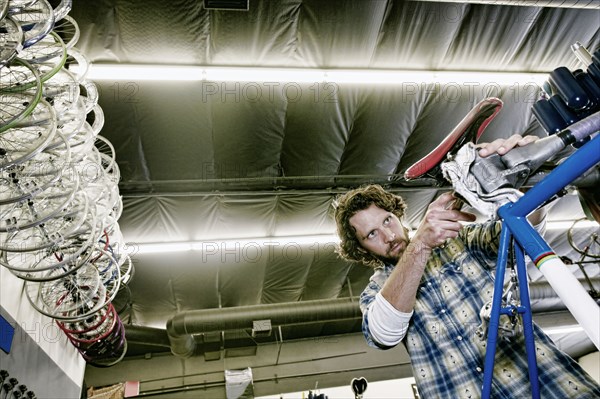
{"points": [[30, 98]]}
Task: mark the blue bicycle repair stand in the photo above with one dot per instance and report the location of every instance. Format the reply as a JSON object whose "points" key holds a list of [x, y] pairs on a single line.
{"points": [[517, 230]]}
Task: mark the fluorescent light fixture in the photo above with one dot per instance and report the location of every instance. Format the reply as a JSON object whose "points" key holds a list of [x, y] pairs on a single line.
{"points": [[305, 75], [213, 246]]}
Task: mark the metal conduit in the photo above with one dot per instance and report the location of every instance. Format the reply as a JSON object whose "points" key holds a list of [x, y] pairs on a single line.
{"points": [[181, 327]]}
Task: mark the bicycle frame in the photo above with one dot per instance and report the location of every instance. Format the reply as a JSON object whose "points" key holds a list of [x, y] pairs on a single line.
{"points": [[517, 231]]}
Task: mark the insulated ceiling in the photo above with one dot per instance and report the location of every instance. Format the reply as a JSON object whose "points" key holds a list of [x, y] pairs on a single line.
{"points": [[211, 161]]}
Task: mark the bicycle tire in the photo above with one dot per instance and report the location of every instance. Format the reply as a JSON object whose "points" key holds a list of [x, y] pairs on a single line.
{"points": [[43, 72]]}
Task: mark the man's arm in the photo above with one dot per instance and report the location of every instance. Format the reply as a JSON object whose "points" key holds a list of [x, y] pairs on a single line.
{"points": [[440, 223]]}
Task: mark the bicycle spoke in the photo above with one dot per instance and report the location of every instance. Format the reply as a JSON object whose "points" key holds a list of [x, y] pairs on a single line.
{"points": [[11, 40], [29, 137], [36, 20]]}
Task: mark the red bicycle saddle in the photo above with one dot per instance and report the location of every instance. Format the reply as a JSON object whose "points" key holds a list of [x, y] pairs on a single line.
{"points": [[468, 130]]}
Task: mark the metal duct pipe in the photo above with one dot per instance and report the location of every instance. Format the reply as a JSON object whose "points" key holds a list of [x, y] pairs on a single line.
{"points": [[590, 4], [181, 326], [147, 336]]}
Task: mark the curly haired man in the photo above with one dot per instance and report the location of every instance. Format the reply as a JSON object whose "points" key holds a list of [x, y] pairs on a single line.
{"points": [[428, 291]]}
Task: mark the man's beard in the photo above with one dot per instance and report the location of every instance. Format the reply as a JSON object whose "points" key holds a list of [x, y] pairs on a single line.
{"points": [[393, 258]]}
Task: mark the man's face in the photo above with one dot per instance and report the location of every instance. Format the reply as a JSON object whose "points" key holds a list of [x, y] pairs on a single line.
{"points": [[380, 232]]}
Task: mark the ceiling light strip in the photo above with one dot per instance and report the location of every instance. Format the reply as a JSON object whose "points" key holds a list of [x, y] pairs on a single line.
{"points": [[316, 241], [304, 75], [244, 244]]}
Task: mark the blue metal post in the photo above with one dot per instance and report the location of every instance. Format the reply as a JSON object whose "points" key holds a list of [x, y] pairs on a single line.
{"points": [[490, 351], [527, 322]]}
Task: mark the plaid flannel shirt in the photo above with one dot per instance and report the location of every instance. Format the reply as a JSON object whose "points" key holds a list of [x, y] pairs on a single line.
{"points": [[447, 356]]}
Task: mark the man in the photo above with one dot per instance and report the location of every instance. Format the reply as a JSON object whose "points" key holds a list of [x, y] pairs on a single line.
{"points": [[428, 292]]}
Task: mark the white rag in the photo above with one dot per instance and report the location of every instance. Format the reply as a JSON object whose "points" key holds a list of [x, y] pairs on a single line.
{"points": [[456, 171]]}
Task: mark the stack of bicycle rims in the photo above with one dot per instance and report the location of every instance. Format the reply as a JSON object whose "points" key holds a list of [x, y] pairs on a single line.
{"points": [[59, 196]]}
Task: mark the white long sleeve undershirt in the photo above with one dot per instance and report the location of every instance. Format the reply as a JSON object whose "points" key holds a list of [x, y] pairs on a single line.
{"points": [[387, 324]]}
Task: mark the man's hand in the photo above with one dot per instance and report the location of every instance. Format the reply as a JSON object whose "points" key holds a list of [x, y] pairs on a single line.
{"points": [[441, 222], [502, 146]]}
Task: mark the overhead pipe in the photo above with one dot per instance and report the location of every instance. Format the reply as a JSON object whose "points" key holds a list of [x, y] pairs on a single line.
{"points": [[147, 336], [182, 326], [589, 4]]}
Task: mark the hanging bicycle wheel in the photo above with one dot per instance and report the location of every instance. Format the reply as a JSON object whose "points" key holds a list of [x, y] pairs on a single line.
{"points": [[23, 75], [30, 178], [108, 268], [71, 297], [110, 356], [61, 10], [62, 91], [29, 137], [53, 233], [82, 329], [68, 30], [36, 20], [19, 5], [82, 143], [89, 91], [11, 39], [63, 259], [41, 208], [77, 63], [108, 350], [97, 327], [585, 241], [48, 48], [67, 255], [33, 212], [15, 105]]}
